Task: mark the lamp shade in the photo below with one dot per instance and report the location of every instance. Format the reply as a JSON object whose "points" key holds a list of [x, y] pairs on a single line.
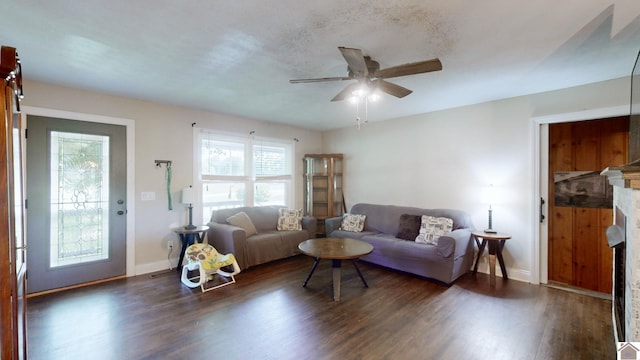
{"points": [[188, 195]]}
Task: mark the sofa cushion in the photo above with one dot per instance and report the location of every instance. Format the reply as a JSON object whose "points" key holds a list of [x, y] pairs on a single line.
{"points": [[289, 219], [353, 222], [409, 227], [431, 228], [243, 221]]}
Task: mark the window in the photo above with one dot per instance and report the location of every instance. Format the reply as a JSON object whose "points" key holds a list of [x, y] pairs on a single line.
{"points": [[237, 171]]}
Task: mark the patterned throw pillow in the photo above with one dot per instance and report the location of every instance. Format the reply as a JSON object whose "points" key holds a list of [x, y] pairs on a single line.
{"points": [[352, 222], [409, 227], [290, 219], [432, 228]]}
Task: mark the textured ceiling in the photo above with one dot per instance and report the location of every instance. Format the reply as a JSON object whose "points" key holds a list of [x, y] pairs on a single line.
{"points": [[236, 57]]}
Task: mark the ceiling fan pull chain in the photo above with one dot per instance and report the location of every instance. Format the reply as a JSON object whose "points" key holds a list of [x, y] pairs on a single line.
{"points": [[366, 110], [358, 115]]}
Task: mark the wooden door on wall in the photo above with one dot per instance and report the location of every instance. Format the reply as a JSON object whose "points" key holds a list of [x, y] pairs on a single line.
{"points": [[579, 255]]}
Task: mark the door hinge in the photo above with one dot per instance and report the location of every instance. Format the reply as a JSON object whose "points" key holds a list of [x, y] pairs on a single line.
{"points": [[26, 133]]}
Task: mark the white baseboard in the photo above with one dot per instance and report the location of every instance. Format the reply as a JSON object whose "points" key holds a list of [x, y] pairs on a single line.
{"points": [[514, 274], [156, 266]]}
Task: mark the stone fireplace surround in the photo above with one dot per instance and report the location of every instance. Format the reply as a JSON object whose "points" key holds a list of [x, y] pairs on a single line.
{"points": [[626, 203]]}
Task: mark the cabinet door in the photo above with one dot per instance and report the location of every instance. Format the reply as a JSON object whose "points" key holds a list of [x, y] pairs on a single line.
{"points": [[12, 241]]}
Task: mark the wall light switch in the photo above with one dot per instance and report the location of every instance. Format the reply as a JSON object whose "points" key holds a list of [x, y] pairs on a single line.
{"points": [[148, 196]]}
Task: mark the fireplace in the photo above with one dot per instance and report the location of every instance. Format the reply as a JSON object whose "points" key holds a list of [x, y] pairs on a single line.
{"points": [[621, 237], [616, 236]]}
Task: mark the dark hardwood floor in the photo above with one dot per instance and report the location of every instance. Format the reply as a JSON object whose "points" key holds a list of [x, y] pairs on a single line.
{"points": [[269, 315]]}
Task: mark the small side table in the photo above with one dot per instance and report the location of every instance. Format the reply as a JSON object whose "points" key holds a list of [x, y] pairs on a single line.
{"points": [[496, 243], [188, 237]]}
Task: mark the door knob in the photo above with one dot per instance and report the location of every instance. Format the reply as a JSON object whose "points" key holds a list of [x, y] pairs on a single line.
{"points": [[120, 212]]}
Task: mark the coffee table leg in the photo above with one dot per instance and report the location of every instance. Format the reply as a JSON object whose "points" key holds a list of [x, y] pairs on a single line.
{"points": [[336, 264], [355, 264], [313, 268]]}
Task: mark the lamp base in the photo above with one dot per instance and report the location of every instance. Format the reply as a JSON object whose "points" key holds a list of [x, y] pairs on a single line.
{"points": [[190, 226], [490, 231]]}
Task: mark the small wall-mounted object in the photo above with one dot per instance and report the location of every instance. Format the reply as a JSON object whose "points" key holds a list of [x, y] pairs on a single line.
{"points": [[168, 176], [160, 162]]}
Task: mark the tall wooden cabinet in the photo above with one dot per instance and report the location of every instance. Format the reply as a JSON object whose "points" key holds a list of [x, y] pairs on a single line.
{"points": [[12, 240], [323, 197]]}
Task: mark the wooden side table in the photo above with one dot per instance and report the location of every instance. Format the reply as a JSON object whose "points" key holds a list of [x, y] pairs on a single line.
{"points": [[188, 237], [496, 243]]}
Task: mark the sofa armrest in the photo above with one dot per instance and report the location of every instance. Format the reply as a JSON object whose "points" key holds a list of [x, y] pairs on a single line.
{"points": [[310, 224], [332, 224], [228, 239], [455, 243]]}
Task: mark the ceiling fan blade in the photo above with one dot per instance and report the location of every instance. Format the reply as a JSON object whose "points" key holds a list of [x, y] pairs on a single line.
{"points": [[392, 89], [355, 59], [337, 78], [409, 69], [346, 92]]}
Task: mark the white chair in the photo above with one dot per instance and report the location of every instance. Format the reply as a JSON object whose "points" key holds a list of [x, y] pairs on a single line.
{"points": [[206, 260]]}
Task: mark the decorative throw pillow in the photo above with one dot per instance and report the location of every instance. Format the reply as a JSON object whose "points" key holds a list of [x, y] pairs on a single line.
{"points": [[290, 219], [409, 227], [431, 228], [352, 222], [242, 220]]}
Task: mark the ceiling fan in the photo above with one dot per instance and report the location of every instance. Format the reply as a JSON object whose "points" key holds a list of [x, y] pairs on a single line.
{"points": [[367, 72]]}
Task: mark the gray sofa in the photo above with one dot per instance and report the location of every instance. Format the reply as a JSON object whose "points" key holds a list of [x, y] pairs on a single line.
{"points": [[267, 245], [451, 258]]}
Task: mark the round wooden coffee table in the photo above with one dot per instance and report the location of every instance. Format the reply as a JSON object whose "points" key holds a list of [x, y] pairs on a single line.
{"points": [[336, 250]]}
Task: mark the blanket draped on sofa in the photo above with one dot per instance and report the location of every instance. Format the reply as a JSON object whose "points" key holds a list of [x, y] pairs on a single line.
{"points": [[266, 245]]}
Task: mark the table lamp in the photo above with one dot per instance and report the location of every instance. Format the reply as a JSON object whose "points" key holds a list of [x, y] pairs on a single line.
{"points": [[189, 197], [490, 199]]}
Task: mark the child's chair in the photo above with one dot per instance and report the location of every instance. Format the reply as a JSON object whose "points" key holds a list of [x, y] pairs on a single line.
{"points": [[207, 261]]}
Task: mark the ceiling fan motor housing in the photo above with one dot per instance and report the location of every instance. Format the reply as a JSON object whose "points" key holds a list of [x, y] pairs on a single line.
{"points": [[372, 67]]}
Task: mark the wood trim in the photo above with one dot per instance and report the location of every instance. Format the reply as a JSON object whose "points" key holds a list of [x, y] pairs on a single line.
{"points": [[76, 286]]}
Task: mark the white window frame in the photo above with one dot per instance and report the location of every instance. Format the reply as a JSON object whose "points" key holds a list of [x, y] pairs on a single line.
{"points": [[249, 179]]}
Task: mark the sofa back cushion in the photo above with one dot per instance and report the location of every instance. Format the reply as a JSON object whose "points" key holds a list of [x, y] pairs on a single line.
{"points": [[262, 217], [385, 218]]}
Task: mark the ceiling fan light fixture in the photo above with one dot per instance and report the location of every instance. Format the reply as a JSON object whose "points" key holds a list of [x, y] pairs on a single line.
{"points": [[361, 91], [365, 92], [374, 96]]}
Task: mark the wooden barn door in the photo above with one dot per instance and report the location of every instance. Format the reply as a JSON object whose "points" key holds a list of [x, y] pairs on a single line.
{"points": [[579, 255]]}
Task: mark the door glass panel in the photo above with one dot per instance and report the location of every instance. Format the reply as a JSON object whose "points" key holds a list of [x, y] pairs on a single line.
{"points": [[79, 198]]}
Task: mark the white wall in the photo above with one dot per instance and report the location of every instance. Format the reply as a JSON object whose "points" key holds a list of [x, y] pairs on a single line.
{"points": [[164, 132], [447, 159], [441, 159]]}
